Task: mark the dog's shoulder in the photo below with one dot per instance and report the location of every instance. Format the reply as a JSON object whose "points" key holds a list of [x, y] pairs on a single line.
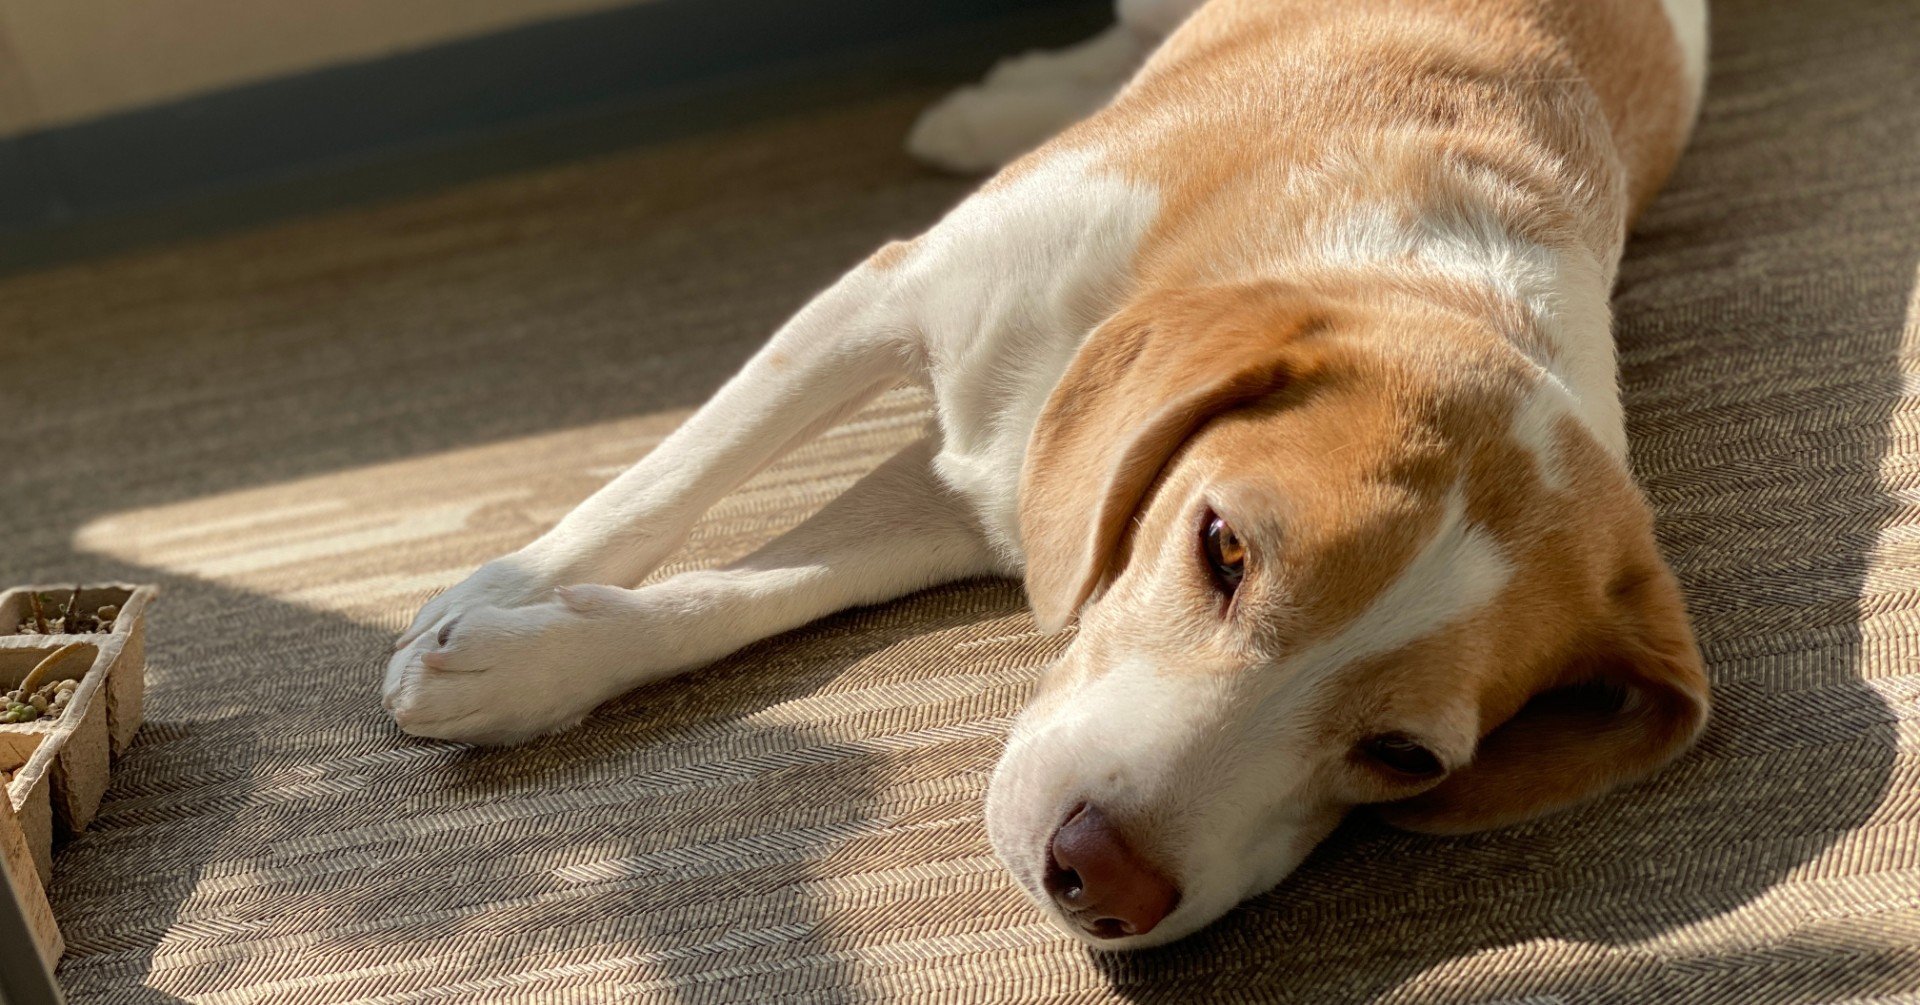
{"points": [[1000, 294]]}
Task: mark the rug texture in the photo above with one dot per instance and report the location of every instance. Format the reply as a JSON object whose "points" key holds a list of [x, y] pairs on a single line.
{"points": [[302, 432]]}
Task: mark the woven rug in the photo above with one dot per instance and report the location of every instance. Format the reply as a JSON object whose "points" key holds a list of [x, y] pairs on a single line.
{"points": [[302, 432]]}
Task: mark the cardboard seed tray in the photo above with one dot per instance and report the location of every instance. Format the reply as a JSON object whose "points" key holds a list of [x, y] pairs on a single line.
{"points": [[125, 648], [27, 884], [57, 769]]}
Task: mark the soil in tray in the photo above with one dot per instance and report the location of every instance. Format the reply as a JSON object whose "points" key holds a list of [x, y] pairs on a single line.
{"points": [[80, 611], [43, 690]]}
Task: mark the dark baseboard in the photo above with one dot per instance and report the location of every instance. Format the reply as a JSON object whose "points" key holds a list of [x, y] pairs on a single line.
{"points": [[672, 66]]}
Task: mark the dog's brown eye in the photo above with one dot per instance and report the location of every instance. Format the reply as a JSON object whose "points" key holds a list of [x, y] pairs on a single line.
{"points": [[1226, 553], [1400, 754]]}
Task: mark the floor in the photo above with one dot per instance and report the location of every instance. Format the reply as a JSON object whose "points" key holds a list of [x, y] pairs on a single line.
{"points": [[301, 430]]}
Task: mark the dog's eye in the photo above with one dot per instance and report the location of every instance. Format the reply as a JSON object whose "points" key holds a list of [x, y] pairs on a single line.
{"points": [[1226, 553], [1400, 754]]}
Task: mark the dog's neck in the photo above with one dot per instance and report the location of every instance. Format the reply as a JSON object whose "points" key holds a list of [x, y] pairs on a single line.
{"points": [[1549, 301], [1535, 262]]}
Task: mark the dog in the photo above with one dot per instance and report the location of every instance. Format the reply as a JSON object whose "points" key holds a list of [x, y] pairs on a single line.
{"points": [[1286, 372]]}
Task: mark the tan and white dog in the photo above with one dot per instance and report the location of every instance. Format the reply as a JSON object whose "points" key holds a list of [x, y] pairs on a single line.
{"points": [[1288, 373]]}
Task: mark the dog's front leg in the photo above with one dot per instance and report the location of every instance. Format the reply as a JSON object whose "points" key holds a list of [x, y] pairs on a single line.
{"points": [[501, 676], [835, 355]]}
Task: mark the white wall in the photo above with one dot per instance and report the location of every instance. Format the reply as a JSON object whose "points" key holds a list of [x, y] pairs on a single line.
{"points": [[63, 61]]}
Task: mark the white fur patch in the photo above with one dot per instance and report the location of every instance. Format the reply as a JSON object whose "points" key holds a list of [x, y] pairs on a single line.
{"points": [[1134, 739], [1565, 292], [1536, 427], [1689, 19], [1459, 571], [1002, 292]]}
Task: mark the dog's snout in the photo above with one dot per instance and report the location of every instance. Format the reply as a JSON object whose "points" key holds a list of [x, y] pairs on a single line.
{"points": [[1098, 879]]}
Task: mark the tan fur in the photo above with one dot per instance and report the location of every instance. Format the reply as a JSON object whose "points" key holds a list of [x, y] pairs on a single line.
{"points": [[1278, 394], [1160, 370], [890, 255], [1573, 104]]}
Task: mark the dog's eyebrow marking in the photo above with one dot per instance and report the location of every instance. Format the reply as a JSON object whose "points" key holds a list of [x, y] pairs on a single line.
{"points": [[1460, 570]]}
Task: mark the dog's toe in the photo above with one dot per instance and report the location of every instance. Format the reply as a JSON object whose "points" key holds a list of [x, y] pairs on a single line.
{"points": [[489, 676]]}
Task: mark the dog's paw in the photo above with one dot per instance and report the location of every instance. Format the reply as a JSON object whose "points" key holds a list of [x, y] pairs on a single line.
{"points": [[504, 582], [978, 129], [497, 676], [1024, 101]]}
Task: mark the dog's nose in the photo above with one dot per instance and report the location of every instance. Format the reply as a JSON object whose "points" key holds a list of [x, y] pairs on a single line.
{"points": [[1098, 879]]}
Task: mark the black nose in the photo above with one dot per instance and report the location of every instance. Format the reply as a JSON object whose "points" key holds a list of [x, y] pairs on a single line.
{"points": [[1096, 877]]}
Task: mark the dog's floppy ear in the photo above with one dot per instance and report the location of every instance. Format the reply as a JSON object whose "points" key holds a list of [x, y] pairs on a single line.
{"points": [[1142, 383], [1612, 712]]}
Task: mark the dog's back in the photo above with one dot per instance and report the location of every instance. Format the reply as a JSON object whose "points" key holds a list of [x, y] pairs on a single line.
{"points": [[1582, 95]]}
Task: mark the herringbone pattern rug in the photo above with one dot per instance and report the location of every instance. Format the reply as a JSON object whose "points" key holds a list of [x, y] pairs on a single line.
{"points": [[304, 431]]}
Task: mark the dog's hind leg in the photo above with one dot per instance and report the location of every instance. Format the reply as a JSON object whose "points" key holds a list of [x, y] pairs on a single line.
{"points": [[1025, 100], [843, 348], [500, 676]]}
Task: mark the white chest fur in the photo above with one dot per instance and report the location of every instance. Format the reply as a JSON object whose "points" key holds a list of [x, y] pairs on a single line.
{"points": [[1001, 293]]}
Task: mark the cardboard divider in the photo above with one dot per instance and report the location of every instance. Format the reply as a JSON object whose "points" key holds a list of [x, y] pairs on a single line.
{"points": [[29, 883]]}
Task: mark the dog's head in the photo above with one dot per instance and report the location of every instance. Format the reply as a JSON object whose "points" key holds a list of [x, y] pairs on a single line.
{"points": [[1325, 553]]}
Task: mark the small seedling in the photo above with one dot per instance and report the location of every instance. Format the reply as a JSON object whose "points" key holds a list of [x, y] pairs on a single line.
{"points": [[73, 621]]}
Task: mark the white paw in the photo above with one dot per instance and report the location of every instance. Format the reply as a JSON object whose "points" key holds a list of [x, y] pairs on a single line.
{"points": [[978, 129], [508, 581], [945, 136], [498, 676], [1037, 68], [1102, 61], [1024, 101]]}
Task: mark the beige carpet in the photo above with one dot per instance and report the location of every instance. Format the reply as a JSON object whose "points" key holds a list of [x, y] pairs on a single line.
{"points": [[302, 432]]}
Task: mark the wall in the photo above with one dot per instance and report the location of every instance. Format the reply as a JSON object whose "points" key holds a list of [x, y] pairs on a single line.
{"points": [[63, 61], [147, 115]]}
